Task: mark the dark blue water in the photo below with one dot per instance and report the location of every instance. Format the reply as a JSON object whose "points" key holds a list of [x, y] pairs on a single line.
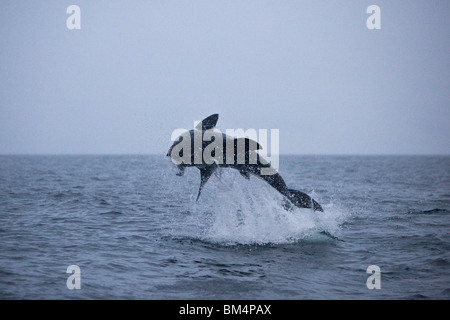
{"points": [[134, 229]]}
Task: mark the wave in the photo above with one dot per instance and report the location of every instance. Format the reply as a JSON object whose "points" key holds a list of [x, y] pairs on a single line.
{"points": [[436, 210], [111, 212], [430, 211]]}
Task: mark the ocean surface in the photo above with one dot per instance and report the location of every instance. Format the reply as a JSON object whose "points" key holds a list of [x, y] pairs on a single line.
{"points": [[136, 232]]}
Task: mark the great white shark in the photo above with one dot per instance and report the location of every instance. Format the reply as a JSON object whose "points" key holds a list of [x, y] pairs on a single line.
{"points": [[237, 153]]}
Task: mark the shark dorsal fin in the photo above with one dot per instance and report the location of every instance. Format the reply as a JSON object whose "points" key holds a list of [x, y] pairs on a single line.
{"points": [[208, 123]]}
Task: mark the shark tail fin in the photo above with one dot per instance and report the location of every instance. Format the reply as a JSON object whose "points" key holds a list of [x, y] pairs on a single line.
{"points": [[302, 200]]}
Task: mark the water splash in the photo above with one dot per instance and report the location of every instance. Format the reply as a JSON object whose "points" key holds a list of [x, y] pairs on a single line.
{"points": [[233, 210]]}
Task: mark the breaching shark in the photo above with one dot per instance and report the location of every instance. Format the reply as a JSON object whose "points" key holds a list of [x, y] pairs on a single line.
{"points": [[237, 153]]}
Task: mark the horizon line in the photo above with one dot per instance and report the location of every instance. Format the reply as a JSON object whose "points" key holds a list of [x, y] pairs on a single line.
{"points": [[281, 154]]}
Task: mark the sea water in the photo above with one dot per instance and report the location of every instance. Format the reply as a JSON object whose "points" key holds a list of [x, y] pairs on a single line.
{"points": [[136, 231]]}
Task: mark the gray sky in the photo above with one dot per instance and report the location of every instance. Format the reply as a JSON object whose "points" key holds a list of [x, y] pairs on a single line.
{"points": [[137, 70]]}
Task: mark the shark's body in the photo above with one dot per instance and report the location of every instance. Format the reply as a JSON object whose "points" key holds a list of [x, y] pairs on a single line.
{"points": [[244, 158]]}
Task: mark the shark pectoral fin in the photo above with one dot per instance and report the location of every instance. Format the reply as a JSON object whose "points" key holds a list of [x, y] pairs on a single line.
{"points": [[245, 174], [205, 174], [208, 123]]}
